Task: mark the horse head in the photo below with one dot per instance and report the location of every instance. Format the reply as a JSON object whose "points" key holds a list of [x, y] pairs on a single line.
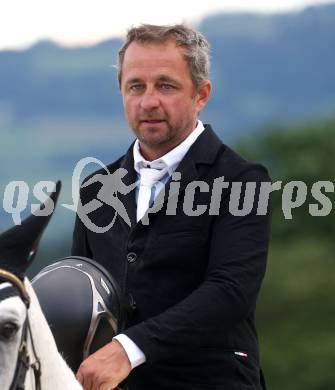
{"points": [[18, 247]]}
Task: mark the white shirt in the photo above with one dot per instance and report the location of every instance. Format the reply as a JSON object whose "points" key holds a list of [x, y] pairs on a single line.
{"points": [[170, 161]]}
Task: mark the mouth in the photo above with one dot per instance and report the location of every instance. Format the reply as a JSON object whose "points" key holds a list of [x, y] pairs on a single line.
{"points": [[152, 121]]}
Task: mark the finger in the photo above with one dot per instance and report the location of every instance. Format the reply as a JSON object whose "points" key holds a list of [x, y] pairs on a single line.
{"points": [[84, 380], [80, 377], [88, 383]]}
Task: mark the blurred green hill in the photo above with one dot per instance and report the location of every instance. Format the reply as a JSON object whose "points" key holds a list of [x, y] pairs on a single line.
{"points": [[264, 68], [296, 309]]}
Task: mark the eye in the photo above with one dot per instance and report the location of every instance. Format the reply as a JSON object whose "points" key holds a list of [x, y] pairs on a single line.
{"points": [[8, 330], [166, 87], [136, 88]]}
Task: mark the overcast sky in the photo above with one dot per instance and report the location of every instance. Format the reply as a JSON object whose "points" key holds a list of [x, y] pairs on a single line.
{"points": [[72, 22]]}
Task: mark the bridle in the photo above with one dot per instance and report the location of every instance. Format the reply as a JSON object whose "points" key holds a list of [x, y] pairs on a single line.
{"points": [[23, 359]]}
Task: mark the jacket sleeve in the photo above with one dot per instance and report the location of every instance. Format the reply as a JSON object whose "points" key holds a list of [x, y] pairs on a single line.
{"points": [[229, 291], [80, 245]]}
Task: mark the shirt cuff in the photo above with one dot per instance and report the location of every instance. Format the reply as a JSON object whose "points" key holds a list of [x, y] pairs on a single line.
{"points": [[135, 354]]}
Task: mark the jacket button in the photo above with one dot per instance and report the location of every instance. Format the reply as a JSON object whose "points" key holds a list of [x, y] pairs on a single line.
{"points": [[131, 257], [132, 302]]}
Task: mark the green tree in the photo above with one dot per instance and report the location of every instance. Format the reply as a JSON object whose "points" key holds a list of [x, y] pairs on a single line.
{"points": [[295, 312]]}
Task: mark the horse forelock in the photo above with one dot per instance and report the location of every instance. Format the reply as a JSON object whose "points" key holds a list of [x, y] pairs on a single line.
{"points": [[7, 290]]}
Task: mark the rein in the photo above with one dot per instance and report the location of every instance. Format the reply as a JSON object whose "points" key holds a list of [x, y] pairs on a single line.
{"points": [[23, 360]]}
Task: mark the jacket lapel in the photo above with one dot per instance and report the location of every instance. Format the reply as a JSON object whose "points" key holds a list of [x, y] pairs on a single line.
{"points": [[129, 200], [203, 151]]}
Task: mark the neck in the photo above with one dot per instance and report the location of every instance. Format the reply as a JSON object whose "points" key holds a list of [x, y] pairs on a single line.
{"points": [[151, 153], [55, 373]]}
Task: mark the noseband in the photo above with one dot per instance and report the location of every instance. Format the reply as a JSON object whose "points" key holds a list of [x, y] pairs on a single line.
{"points": [[23, 360]]}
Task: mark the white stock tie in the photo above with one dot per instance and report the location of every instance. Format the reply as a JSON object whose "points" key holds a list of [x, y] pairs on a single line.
{"points": [[148, 178]]}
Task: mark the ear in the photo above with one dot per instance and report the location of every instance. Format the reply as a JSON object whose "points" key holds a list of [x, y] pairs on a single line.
{"points": [[203, 93], [18, 245]]}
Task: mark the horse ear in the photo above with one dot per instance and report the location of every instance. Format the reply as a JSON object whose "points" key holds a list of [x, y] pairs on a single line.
{"points": [[19, 244]]}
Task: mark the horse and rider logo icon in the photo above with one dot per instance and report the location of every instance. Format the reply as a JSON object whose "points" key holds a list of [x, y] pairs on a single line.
{"points": [[112, 185]]}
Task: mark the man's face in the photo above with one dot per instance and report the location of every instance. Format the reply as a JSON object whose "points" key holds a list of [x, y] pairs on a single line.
{"points": [[159, 98]]}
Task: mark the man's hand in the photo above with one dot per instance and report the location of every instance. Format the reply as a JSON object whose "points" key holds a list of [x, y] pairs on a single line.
{"points": [[104, 369]]}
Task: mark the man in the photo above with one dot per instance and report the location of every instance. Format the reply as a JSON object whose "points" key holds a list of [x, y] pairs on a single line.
{"points": [[191, 267]]}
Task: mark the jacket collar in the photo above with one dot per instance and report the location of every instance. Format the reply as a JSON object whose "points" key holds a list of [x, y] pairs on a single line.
{"points": [[203, 151]]}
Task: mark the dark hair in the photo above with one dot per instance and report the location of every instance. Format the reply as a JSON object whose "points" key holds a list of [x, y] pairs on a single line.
{"points": [[195, 44]]}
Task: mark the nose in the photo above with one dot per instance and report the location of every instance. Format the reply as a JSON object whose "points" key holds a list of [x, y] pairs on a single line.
{"points": [[149, 100]]}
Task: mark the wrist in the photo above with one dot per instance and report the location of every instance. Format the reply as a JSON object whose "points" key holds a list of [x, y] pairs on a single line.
{"points": [[119, 348]]}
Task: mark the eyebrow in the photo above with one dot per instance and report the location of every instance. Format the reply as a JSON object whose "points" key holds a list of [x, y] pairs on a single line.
{"points": [[167, 79], [134, 80], [161, 78]]}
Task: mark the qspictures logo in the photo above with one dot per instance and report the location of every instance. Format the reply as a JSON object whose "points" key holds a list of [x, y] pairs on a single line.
{"points": [[242, 197]]}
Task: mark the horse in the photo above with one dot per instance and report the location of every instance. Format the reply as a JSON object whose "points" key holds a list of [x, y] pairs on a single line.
{"points": [[29, 358]]}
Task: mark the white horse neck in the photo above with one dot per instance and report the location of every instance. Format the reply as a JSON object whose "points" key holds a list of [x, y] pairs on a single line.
{"points": [[56, 374]]}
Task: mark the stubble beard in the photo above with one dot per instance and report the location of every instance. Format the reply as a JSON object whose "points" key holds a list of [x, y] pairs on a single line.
{"points": [[167, 137], [147, 137]]}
